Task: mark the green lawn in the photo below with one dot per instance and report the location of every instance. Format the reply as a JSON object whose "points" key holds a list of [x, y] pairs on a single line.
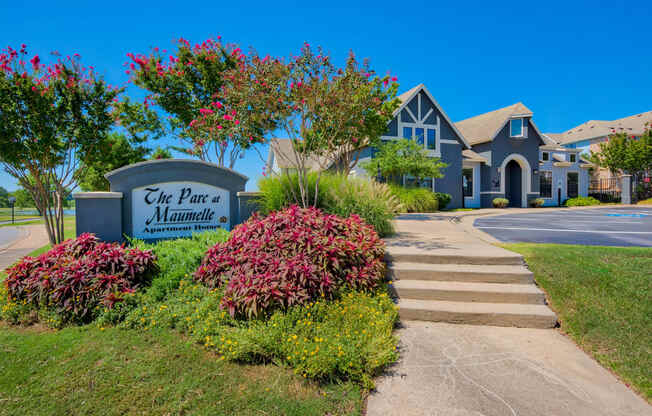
{"points": [[117, 371], [603, 298], [86, 370], [5, 214]]}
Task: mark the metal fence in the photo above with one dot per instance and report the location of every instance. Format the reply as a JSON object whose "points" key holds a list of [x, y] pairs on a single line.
{"points": [[606, 189], [642, 185]]}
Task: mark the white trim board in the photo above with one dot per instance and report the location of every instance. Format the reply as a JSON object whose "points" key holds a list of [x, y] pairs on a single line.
{"points": [[423, 88]]}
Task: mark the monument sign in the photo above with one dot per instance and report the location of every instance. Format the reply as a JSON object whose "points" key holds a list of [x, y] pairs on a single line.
{"points": [[166, 198]]}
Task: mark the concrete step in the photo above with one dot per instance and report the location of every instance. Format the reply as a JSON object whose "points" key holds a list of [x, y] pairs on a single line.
{"points": [[476, 313], [469, 292], [495, 256], [460, 272]]}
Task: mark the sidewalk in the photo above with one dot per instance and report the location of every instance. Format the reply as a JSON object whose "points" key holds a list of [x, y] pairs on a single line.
{"points": [[32, 237], [473, 370], [464, 370]]}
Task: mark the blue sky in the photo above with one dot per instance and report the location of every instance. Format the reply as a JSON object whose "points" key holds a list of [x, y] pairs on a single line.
{"points": [[568, 61]]}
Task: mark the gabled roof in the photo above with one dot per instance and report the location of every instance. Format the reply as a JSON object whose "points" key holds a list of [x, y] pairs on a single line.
{"points": [[282, 150], [408, 95], [634, 125], [484, 127]]}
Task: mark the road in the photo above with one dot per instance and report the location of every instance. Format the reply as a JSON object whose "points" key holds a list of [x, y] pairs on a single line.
{"points": [[8, 235], [608, 226]]}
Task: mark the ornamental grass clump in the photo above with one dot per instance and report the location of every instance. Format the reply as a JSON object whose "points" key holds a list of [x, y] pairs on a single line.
{"points": [[336, 194], [78, 278], [292, 257]]}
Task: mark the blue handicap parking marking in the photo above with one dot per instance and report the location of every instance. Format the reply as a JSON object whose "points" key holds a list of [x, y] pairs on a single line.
{"points": [[627, 215]]}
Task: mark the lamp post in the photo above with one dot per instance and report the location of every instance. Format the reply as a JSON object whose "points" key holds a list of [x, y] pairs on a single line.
{"points": [[12, 202]]}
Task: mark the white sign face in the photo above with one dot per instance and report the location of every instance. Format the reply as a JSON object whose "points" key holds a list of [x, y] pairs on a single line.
{"points": [[178, 209]]}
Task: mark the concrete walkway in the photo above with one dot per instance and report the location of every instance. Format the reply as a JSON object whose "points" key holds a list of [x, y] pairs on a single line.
{"points": [[29, 238], [464, 370], [470, 370]]}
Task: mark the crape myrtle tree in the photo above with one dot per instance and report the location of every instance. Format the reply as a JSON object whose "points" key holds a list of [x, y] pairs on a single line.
{"points": [[53, 117], [397, 158], [329, 114], [183, 86], [624, 153]]}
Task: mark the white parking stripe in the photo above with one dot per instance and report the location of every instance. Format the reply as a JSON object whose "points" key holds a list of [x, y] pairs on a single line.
{"points": [[611, 221], [567, 230]]}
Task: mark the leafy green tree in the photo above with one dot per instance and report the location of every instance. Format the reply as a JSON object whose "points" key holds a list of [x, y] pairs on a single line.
{"points": [[116, 151], [396, 158], [23, 198], [4, 198], [624, 153], [160, 153], [53, 118], [328, 113]]}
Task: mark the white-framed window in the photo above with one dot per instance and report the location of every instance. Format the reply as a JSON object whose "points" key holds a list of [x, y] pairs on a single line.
{"points": [[545, 184], [516, 128], [572, 184], [425, 137], [545, 156], [416, 128], [467, 182], [572, 157]]}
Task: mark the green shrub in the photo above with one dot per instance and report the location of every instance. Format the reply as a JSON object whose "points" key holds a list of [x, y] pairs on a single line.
{"points": [[444, 199], [581, 201], [536, 202], [500, 202], [337, 195], [415, 199], [177, 260], [350, 338]]}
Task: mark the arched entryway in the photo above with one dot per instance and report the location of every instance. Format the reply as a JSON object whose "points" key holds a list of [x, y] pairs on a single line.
{"points": [[516, 180], [513, 183]]}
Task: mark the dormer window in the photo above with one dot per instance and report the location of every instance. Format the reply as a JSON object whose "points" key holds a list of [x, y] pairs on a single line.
{"points": [[516, 127], [572, 158], [545, 156]]}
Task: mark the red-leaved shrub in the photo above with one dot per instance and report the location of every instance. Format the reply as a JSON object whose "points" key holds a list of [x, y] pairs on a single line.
{"points": [[291, 257], [78, 275]]}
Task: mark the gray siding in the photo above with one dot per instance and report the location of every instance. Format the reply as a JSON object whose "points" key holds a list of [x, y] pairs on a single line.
{"points": [[451, 154], [451, 183], [560, 180], [392, 128], [500, 148]]}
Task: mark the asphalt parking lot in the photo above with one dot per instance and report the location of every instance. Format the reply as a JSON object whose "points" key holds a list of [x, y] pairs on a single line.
{"points": [[608, 226]]}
